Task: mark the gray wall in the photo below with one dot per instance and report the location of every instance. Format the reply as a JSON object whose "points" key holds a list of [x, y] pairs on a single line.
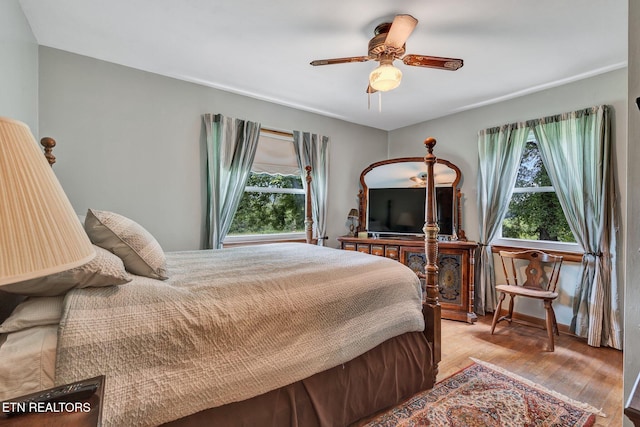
{"points": [[19, 66], [457, 141], [131, 142], [632, 297]]}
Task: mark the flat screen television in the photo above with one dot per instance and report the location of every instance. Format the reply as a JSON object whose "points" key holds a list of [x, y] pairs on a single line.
{"points": [[402, 210]]}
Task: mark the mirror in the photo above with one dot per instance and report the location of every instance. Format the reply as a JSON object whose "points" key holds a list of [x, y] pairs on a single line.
{"points": [[394, 182]]}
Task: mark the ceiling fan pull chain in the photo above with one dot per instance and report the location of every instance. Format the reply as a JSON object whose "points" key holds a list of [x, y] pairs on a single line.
{"points": [[379, 102]]}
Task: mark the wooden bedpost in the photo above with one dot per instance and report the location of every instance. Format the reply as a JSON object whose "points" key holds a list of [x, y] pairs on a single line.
{"points": [[48, 144], [308, 221], [431, 306], [459, 231], [362, 211]]}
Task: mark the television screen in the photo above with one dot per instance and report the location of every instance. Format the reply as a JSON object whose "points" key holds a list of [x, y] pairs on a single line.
{"points": [[402, 210]]}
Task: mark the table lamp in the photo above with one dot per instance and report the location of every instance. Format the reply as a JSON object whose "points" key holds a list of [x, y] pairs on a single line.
{"points": [[352, 219], [40, 233]]}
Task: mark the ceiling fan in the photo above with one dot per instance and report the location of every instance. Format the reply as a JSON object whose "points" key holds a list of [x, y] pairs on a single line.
{"points": [[387, 45]]}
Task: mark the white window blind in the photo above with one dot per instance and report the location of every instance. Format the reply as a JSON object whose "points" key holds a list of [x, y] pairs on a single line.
{"points": [[275, 155]]}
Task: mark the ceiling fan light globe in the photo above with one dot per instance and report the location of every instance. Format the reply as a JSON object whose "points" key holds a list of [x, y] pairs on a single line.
{"points": [[385, 77]]}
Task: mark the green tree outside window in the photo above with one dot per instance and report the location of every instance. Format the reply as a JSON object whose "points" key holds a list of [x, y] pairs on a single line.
{"points": [[271, 204], [534, 211]]}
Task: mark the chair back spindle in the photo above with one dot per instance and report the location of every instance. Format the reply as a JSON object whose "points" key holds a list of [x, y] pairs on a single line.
{"points": [[541, 270]]}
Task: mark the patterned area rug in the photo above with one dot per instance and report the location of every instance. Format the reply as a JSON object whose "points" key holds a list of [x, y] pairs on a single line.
{"points": [[486, 395]]}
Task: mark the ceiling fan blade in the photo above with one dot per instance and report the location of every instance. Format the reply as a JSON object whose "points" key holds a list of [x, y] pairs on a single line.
{"points": [[370, 89], [433, 62], [401, 28], [339, 60]]}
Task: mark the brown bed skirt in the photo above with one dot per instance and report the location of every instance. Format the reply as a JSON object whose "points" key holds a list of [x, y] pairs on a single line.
{"points": [[341, 396]]}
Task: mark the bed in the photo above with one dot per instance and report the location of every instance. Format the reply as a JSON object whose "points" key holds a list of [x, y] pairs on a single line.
{"points": [[264, 335]]}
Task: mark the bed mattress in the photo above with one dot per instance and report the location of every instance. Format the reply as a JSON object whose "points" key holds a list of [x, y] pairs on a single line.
{"points": [[229, 325]]}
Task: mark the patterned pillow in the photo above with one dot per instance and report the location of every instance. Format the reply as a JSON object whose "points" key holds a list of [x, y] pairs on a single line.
{"points": [[138, 249], [105, 269]]}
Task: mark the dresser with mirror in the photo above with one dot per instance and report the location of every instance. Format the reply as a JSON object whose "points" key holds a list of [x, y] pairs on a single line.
{"points": [[391, 217]]}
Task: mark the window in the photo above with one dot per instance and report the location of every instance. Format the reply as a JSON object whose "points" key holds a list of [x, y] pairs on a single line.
{"points": [[534, 211], [273, 204]]}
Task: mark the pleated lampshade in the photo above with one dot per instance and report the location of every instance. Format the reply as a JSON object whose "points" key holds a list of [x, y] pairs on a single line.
{"points": [[40, 233]]}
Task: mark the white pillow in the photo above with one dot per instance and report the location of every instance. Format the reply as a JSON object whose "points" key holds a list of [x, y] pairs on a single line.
{"points": [[105, 269], [27, 361], [34, 311]]}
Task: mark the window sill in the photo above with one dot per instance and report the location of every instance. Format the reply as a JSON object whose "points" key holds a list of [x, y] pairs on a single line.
{"points": [[571, 252], [261, 239]]}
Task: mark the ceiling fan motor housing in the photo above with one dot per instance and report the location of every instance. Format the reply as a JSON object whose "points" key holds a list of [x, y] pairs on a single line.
{"points": [[377, 45]]}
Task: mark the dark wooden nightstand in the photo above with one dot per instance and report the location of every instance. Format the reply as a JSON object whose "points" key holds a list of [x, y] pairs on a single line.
{"points": [[77, 404]]}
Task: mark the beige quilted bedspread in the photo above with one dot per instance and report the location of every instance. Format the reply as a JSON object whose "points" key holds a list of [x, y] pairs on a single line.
{"points": [[231, 324]]}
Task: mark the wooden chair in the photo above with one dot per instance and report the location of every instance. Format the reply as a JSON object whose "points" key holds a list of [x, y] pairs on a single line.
{"points": [[532, 274]]}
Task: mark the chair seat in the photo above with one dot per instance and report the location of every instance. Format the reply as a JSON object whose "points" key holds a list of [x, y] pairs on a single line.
{"points": [[527, 292]]}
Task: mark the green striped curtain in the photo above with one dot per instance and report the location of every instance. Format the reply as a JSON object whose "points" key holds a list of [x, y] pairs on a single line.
{"points": [[231, 148], [499, 153], [576, 150], [313, 150]]}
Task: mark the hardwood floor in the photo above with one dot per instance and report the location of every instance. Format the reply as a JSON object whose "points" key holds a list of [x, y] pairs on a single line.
{"points": [[588, 374]]}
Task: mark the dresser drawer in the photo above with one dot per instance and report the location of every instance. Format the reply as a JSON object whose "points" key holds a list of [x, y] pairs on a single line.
{"points": [[347, 246], [392, 252], [377, 250], [363, 247]]}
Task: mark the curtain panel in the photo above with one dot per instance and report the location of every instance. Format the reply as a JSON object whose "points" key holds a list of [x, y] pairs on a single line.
{"points": [[231, 147], [576, 150], [499, 153], [312, 150]]}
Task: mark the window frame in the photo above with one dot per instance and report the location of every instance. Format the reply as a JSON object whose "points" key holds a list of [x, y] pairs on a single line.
{"points": [[236, 240]]}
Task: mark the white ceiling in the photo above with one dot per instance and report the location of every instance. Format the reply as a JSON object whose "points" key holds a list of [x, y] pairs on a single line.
{"points": [[262, 49]]}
